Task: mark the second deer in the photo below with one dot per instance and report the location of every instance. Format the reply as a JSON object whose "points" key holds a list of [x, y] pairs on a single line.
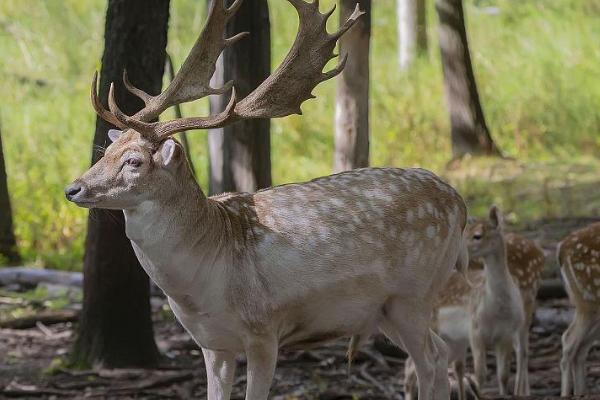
{"points": [[496, 311]]}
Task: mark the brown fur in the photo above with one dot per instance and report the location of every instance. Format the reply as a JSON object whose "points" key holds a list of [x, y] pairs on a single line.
{"points": [[580, 254]]}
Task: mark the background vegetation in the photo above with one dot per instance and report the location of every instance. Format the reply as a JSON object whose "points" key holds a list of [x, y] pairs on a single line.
{"points": [[536, 65]]}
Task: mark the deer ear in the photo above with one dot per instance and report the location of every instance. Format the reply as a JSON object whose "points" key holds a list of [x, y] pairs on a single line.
{"points": [[113, 134], [496, 217], [170, 153]]}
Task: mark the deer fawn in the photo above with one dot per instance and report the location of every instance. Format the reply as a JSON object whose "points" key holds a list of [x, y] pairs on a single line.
{"points": [[526, 263], [579, 259], [490, 312], [288, 267]]}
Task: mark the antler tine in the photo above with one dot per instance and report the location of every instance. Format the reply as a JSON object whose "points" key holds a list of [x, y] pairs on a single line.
{"points": [[336, 71], [100, 110], [146, 128], [331, 11], [145, 97], [301, 71], [232, 8], [349, 22]]}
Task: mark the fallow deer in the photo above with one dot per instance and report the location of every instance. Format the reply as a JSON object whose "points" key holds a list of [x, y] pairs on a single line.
{"points": [[526, 263], [489, 311], [288, 267], [579, 259]]}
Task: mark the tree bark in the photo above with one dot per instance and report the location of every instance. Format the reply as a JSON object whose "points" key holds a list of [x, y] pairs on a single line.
{"points": [[412, 31], [240, 154], [8, 244], [470, 134], [352, 97], [116, 325]]}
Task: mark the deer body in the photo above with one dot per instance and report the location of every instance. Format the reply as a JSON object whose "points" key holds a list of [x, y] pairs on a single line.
{"points": [[291, 266], [526, 263], [301, 264], [579, 259]]}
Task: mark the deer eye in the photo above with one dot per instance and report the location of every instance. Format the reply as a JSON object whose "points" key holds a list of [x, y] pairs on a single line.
{"points": [[134, 161], [477, 236]]}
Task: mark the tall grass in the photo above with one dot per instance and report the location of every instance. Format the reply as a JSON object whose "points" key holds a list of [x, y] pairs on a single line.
{"points": [[536, 63]]}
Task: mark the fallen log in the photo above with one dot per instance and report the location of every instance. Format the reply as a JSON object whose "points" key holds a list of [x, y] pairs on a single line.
{"points": [[47, 317], [31, 277], [27, 276]]}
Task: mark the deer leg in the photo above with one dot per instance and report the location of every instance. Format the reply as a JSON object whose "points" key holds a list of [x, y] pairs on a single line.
{"points": [[441, 370], [579, 369], [479, 364], [503, 357], [459, 372], [573, 368], [529, 313], [522, 353], [262, 359], [566, 361], [591, 334], [406, 323], [220, 371], [410, 380]]}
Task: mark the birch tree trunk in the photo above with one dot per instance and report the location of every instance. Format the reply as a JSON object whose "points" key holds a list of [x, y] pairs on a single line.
{"points": [[470, 134], [240, 154], [412, 31], [352, 98]]}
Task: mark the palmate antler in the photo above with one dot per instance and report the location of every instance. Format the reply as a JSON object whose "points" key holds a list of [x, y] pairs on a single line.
{"points": [[281, 94]]}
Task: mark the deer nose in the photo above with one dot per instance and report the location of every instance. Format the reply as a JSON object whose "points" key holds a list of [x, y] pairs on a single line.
{"points": [[73, 190]]}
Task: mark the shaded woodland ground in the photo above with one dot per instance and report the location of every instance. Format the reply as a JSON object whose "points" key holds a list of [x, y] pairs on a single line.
{"points": [[31, 366]]}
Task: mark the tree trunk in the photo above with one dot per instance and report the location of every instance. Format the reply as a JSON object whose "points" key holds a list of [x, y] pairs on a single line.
{"points": [[352, 97], [8, 244], [412, 31], [240, 154], [470, 134], [116, 325]]}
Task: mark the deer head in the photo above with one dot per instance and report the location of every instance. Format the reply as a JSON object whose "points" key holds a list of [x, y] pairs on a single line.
{"points": [[485, 236], [143, 155]]}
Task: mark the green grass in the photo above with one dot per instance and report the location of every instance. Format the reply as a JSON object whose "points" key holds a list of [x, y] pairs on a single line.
{"points": [[536, 64]]}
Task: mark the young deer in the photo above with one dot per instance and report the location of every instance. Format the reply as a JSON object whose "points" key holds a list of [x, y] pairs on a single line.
{"points": [[490, 311], [526, 263], [292, 266], [579, 259]]}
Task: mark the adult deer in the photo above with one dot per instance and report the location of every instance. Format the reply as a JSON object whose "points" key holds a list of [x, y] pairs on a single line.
{"points": [[579, 259], [292, 266], [492, 312]]}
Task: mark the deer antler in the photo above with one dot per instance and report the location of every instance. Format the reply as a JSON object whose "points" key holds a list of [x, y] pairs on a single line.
{"points": [[281, 94], [100, 110], [292, 83]]}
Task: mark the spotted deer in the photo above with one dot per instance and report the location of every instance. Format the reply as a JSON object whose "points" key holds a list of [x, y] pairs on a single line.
{"points": [[579, 259], [292, 266], [490, 310], [526, 262]]}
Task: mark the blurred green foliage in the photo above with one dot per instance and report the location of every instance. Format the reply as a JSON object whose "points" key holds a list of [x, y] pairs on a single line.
{"points": [[536, 65]]}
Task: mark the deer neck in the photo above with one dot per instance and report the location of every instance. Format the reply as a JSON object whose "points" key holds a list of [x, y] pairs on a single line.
{"points": [[177, 237], [498, 278]]}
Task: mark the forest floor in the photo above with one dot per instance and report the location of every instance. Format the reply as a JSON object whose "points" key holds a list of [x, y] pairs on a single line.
{"points": [[31, 367]]}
